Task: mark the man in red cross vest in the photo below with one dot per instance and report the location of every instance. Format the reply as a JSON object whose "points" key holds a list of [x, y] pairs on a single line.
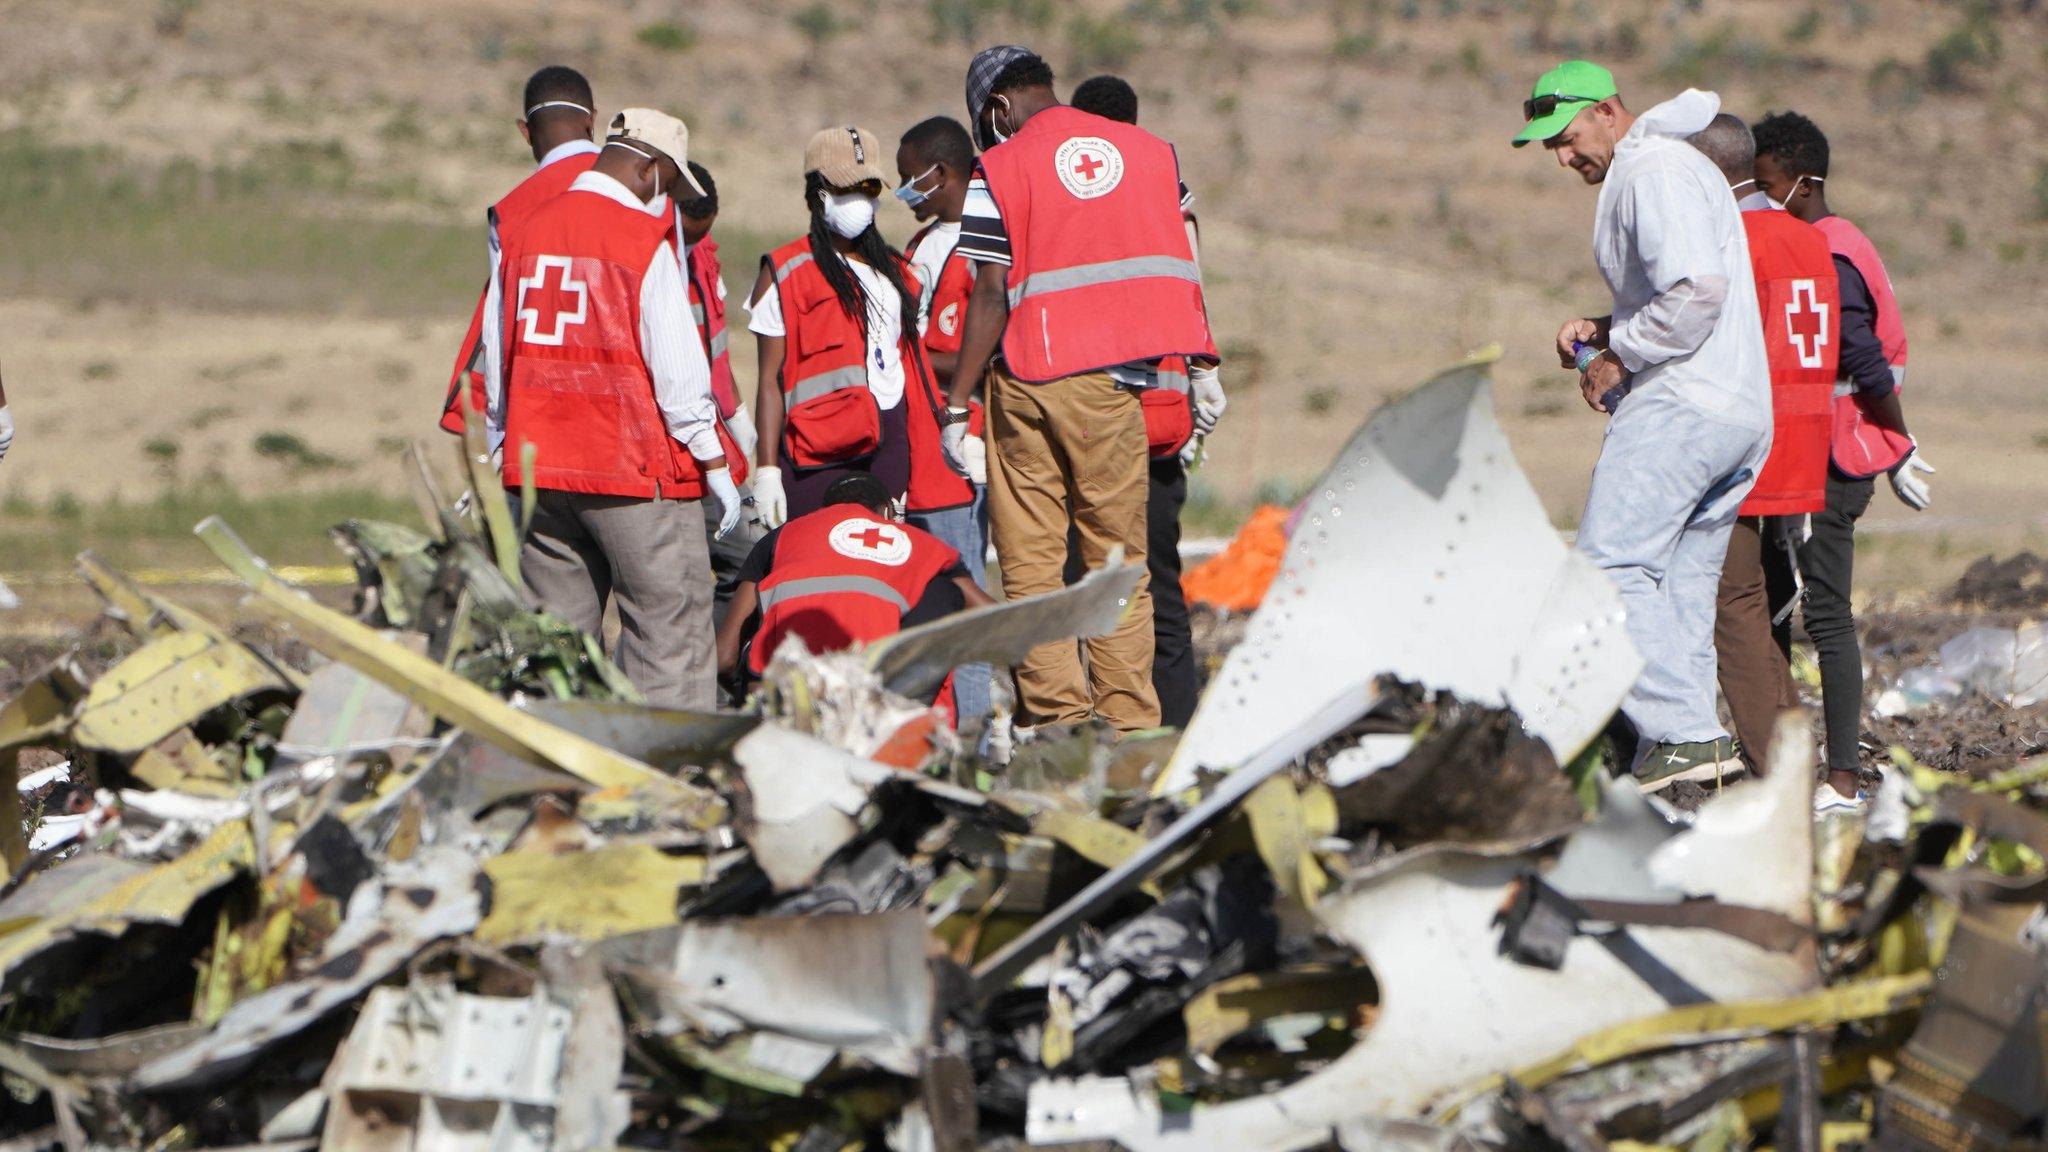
{"points": [[1800, 304], [1085, 282], [1869, 437], [557, 124], [846, 574], [604, 374]]}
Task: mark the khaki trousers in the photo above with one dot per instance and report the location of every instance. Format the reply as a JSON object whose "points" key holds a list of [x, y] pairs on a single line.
{"points": [[1755, 680], [650, 556], [1072, 452]]}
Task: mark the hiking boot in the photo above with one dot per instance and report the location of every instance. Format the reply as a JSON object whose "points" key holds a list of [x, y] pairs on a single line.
{"points": [[1700, 761]]}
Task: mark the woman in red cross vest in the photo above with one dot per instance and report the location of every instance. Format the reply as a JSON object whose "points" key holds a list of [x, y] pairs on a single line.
{"points": [[844, 381]]}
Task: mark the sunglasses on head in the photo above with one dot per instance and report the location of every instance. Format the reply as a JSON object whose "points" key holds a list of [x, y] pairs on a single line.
{"points": [[1545, 105]]}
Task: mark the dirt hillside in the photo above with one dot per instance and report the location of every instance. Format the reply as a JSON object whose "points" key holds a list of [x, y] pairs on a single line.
{"points": [[238, 242]]}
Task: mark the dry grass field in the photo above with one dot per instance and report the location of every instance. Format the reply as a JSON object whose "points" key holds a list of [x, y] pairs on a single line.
{"points": [[238, 242]]}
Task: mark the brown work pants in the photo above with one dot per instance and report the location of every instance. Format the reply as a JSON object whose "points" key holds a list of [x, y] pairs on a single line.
{"points": [[1072, 451], [649, 556], [1755, 679]]}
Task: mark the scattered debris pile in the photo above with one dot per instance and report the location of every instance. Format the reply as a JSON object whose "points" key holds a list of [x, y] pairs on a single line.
{"points": [[453, 888]]}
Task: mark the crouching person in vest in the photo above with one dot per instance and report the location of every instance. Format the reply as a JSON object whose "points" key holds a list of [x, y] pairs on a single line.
{"points": [[844, 382], [1086, 281], [605, 377], [1798, 298], [847, 574]]}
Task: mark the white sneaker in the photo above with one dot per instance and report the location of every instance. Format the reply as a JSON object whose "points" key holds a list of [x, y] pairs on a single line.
{"points": [[1827, 801]]}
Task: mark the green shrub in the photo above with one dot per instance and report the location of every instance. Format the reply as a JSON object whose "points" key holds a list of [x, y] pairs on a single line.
{"points": [[667, 36], [1095, 45]]}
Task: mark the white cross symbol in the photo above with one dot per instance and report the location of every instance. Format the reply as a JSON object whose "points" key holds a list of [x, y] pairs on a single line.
{"points": [[531, 316], [1813, 341]]}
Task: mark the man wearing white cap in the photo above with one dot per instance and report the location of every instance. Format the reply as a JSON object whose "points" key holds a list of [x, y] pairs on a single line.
{"points": [[603, 373]]}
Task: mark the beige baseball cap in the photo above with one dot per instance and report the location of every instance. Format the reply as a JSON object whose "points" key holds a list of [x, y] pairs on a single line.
{"points": [[660, 132], [845, 156]]}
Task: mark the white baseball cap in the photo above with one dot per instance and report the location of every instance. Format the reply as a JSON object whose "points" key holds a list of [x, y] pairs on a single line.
{"points": [[660, 132]]}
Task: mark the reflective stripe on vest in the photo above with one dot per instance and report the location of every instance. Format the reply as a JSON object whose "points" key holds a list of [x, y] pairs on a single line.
{"points": [[1107, 272], [826, 383], [796, 262], [826, 585]]}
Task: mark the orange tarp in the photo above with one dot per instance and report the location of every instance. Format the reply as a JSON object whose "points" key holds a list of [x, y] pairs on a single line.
{"points": [[1236, 578]]}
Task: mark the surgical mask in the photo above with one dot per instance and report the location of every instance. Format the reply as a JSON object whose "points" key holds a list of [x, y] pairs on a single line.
{"points": [[998, 133], [848, 213], [658, 197], [909, 193], [659, 206], [1781, 205]]}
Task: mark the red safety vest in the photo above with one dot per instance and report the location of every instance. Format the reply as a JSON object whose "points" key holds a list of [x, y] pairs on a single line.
{"points": [[543, 185], [707, 308], [934, 486], [1862, 449], [1101, 272], [577, 384], [1801, 304], [843, 577]]}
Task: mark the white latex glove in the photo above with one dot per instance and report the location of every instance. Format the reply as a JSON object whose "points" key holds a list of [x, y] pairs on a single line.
{"points": [[741, 428], [1911, 489], [719, 480], [953, 440], [1191, 453], [6, 430], [975, 452], [1209, 399], [769, 499]]}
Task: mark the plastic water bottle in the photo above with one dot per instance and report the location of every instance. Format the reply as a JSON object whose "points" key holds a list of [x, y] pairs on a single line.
{"points": [[1583, 355]]}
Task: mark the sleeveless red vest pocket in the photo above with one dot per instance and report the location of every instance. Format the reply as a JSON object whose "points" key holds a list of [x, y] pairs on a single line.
{"points": [[1169, 411]]}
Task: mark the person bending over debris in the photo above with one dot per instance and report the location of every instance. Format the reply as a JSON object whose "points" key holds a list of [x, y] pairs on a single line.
{"points": [[557, 124], [1179, 416], [1085, 279], [844, 383], [1797, 295], [1869, 439], [605, 376], [1679, 368], [934, 161], [694, 219], [847, 574]]}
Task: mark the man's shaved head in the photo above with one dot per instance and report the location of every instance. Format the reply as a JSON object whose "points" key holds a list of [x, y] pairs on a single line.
{"points": [[557, 107], [1727, 142]]}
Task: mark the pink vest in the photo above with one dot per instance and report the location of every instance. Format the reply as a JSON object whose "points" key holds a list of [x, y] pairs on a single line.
{"points": [[1861, 449]]}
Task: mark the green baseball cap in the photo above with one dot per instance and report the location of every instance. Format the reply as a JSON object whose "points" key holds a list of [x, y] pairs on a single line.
{"points": [[1559, 94]]}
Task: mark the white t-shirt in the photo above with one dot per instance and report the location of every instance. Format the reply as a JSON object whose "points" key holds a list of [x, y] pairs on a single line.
{"points": [[929, 260], [885, 330], [1670, 244]]}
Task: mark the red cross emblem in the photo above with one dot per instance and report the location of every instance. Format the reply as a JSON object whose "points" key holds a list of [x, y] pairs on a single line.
{"points": [[547, 320], [869, 541], [1089, 166], [1806, 324], [872, 537], [1086, 165]]}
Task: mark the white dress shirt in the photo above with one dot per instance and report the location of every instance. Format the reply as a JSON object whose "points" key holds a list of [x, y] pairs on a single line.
{"points": [[1671, 247], [668, 342]]}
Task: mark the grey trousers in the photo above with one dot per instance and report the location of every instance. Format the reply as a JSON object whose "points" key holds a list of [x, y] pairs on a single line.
{"points": [[1663, 499], [650, 556]]}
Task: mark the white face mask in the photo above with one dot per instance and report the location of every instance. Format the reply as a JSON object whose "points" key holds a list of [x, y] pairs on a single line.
{"points": [[1780, 205], [998, 133], [848, 213]]}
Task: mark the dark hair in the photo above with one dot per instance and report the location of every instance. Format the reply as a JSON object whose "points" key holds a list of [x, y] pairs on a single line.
{"points": [[1110, 97], [858, 488], [869, 246], [941, 140], [1795, 142], [1726, 141], [557, 82], [698, 207], [1023, 72]]}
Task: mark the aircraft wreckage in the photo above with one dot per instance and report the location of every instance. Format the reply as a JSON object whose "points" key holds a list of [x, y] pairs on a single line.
{"points": [[451, 887]]}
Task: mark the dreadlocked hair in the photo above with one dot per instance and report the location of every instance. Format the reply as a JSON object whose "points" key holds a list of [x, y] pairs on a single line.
{"points": [[870, 247]]}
